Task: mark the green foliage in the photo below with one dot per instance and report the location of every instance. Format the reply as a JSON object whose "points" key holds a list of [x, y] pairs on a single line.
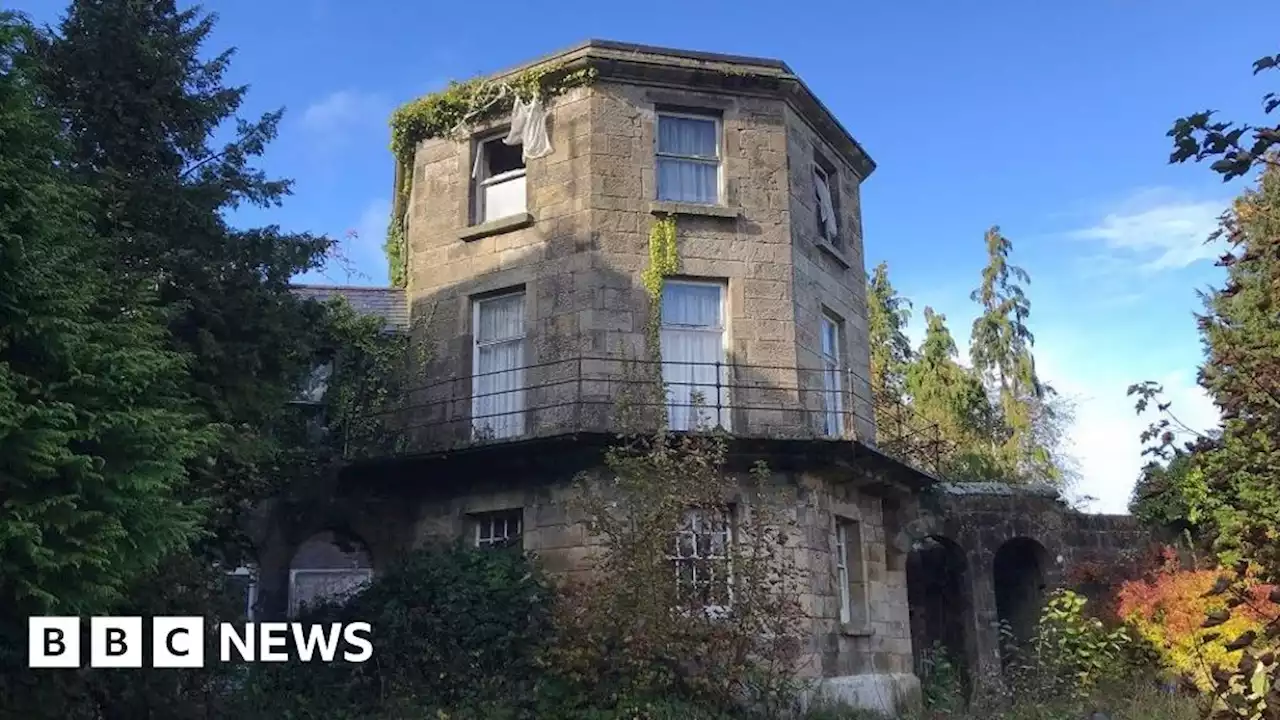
{"points": [[450, 112], [456, 631], [664, 261], [633, 629], [142, 98], [1074, 652], [941, 681], [888, 314], [1234, 149], [95, 423]]}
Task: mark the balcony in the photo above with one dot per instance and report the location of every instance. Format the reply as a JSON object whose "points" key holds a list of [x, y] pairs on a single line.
{"points": [[603, 395]]}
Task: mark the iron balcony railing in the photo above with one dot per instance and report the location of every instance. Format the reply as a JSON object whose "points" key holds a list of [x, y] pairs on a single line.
{"points": [[615, 395]]}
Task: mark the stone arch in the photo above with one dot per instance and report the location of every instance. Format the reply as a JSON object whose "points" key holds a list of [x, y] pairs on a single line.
{"points": [[329, 565], [940, 601], [1020, 575]]}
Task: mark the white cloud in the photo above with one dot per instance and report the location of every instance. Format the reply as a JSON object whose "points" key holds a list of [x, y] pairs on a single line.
{"points": [[331, 118], [1159, 229], [1104, 438]]}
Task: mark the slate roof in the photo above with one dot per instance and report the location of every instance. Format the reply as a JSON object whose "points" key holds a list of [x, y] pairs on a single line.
{"points": [[388, 303]]}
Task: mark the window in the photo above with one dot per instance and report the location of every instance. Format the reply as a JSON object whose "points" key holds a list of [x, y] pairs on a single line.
{"points": [[244, 582], [701, 558], [832, 376], [499, 179], [850, 574], [825, 191], [316, 384], [499, 529], [325, 569], [688, 158], [497, 388], [693, 355]]}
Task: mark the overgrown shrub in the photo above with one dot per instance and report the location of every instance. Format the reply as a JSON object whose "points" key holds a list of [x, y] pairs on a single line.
{"points": [[1169, 609], [455, 629], [642, 625]]}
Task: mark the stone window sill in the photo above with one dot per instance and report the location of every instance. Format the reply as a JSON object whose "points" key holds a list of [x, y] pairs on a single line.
{"points": [[496, 227], [662, 207], [837, 253], [856, 630]]}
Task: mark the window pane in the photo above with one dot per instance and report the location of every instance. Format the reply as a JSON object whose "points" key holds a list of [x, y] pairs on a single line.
{"points": [[501, 157], [503, 199], [687, 136], [688, 181], [691, 305], [500, 318], [830, 338]]}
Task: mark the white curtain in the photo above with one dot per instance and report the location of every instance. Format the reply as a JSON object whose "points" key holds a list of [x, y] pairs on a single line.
{"points": [[497, 407], [688, 160], [832, 400], [529, 129], [692, 344], [826, 210]]}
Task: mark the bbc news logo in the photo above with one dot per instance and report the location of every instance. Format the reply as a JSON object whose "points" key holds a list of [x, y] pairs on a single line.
{"points": [[178, 642]]}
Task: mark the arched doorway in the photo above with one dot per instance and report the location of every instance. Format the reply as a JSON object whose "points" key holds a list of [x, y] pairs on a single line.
{"points": [[327, 567], [1019, 577], [939, 601]]}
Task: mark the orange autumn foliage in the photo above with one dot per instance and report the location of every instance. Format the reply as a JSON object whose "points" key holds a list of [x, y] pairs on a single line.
{"points": [[1169, 607]]}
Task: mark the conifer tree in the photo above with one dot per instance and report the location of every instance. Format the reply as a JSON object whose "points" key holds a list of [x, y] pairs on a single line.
{"points": [[142, 101], [96, 422], [887, 316]]}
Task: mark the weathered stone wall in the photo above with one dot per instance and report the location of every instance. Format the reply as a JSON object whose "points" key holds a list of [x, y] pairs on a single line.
{"points": [[829, 277], [1007, 537], [580, 253]]}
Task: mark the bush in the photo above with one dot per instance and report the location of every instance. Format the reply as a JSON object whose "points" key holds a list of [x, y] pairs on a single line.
{"points": [[1169, 609], [456, 629]]}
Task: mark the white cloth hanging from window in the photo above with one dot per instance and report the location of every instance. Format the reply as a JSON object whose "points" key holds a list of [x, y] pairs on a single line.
{"points": [[529, 128], [825, 208]]}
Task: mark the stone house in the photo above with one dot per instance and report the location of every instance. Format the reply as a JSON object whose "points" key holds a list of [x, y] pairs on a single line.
{"points": [[523, 286]]}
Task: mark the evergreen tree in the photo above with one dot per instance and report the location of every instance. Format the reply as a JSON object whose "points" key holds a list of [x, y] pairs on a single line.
{"points": [[95, 426], [141, 106], [1241, 332], [1000, 350], [949, 395], [887, 316]]}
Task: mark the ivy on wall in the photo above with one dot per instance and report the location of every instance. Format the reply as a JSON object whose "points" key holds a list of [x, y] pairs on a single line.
{"points": [[664, 261], [450, 113]]}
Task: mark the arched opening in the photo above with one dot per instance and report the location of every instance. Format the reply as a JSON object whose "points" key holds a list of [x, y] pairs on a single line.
{"points": [[1019, 576], [327, 567], [939, 603]]}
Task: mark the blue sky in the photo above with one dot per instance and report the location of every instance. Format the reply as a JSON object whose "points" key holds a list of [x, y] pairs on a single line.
{"points": [[1048, 119]]}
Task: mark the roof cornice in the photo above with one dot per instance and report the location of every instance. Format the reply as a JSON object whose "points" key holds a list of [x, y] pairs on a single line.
{"points": [[709, 72]]}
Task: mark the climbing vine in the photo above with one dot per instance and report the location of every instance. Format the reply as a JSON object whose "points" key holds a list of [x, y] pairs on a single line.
{"points": [[449, 113], [664, 261]]}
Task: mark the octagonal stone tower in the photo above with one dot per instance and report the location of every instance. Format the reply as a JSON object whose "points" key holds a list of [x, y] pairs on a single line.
{"points": [[523, 274]]}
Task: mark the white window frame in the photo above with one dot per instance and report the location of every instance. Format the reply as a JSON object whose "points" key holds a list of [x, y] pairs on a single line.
{"points": [[251, 590], [719, 158], [699, 516], [725, 401], [489, 518], [847, 572], [295, 604], [833, 423], [482, 180], [517, 417]]}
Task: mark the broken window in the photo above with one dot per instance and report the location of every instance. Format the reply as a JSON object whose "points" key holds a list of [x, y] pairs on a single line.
{"points": [[825, 189], [499, 175], [688, 158]]}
